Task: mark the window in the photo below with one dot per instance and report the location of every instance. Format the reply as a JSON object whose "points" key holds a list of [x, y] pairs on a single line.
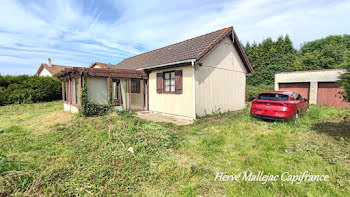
{"points": [[135, 86], [299, 98], [74, 101], [273, 97], [169, 81], [65, 90], [116, 94], [77, 93], [67, 93], [115, 88]]}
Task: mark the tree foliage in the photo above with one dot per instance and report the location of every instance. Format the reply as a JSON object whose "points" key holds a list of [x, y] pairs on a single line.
{"points": [[345, 78], [269, 57], [326, 53]]}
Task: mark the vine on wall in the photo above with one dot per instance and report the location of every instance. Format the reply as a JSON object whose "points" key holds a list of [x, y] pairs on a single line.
{"points": [[90, 108], [110, 94]]}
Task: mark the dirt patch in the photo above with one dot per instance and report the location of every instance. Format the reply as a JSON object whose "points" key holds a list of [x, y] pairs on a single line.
{"points": [[158, 117], [334, 128], [332, 149]]}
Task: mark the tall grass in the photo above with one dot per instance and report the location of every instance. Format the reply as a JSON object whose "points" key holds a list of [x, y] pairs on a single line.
{"points": [[89, 156]]}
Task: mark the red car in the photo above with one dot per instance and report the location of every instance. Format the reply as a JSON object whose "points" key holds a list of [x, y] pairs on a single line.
{"points": [[279, 105]]}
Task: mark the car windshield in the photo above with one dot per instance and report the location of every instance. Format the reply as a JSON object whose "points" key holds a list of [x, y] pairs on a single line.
{"points": [[273, 97]]}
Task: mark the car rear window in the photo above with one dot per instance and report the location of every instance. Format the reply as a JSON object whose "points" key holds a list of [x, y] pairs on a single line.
{"points": [[273, 97]]}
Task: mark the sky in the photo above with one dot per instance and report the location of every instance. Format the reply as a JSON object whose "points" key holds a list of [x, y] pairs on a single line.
{"points": [[78, 33]]}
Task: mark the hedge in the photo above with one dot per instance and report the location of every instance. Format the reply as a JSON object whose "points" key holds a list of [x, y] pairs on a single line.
{"points": [[29, 89], [252, 92]]}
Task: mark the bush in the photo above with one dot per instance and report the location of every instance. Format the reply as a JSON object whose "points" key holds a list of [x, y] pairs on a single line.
{"points": [[93, 109], [344, 82], [253, 91], [28, 89]]}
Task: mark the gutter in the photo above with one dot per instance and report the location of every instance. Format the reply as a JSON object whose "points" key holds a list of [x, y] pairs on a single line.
{"points": [[168, 64], [194, 89], [305, 71]]}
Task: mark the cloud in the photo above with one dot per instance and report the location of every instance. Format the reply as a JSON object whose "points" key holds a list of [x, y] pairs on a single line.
{"points": [[78, 33]]}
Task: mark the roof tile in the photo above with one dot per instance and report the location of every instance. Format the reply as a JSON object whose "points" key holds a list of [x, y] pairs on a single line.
{"points": [[54, 69], [185, 50]]}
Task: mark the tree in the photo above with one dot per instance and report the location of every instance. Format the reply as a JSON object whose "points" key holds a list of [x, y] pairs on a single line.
{"points": [[326, 53], [269, 57], [344, 80]]}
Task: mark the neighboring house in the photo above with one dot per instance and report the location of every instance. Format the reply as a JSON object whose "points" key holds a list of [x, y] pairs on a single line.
{"points": [[50, 69], [192, 78], [318, 86], [98, 65]]}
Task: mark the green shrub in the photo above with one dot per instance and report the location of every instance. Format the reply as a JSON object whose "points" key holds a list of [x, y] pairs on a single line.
{"points": [[28, 89], [253, 91], [344, 80], [93, 109]]}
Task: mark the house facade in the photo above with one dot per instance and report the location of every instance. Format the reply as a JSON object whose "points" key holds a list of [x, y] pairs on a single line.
{"points": [[192, 78], [98, 65], [49, 69]]}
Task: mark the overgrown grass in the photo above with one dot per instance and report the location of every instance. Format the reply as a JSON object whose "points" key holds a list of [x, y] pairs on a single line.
{"points": [[89, 156], [236, 142]]}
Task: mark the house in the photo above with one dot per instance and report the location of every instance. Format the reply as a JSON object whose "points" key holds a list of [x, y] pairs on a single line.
{"points": [[98, 65], [49, 69], [191, 78], [318, 86]]}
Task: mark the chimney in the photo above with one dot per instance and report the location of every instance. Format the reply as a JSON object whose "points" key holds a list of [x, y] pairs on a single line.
{"points": [[49, 62]]}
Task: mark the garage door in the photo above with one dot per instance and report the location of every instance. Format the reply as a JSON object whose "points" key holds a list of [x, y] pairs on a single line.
{"points": [[301, 88], [329, 94]]}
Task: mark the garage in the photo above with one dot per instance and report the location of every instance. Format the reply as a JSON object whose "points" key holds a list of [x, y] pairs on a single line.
{"points": [[301, 88], [313, 84], [328, 93]]}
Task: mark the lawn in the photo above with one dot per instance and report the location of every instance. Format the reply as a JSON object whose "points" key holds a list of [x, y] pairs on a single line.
{"points": [[45, 151]]}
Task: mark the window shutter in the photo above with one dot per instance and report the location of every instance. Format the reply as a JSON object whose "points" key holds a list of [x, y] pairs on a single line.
{"points": [[159, 82], [137, 85], [178, 82]]}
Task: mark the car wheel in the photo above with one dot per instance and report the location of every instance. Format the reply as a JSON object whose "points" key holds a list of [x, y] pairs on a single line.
{"points": [[296, 116]]}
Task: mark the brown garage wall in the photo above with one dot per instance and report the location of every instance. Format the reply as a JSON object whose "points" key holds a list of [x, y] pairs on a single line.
{"points": [[329, 94], [301, 88]]}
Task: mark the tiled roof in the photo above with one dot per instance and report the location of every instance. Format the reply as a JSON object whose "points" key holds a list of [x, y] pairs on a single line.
{"points": [[102, 65], [192, 49], [54, 69]]}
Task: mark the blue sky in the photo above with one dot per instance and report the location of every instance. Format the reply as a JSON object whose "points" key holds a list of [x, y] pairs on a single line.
{"points": [[78, 33]]}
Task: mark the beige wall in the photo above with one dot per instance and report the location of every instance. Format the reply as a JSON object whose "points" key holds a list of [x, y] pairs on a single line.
{"points": [[137, 98], [176, 104], [97, 90], [313, 77], [45, 72], [220, 81]]}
